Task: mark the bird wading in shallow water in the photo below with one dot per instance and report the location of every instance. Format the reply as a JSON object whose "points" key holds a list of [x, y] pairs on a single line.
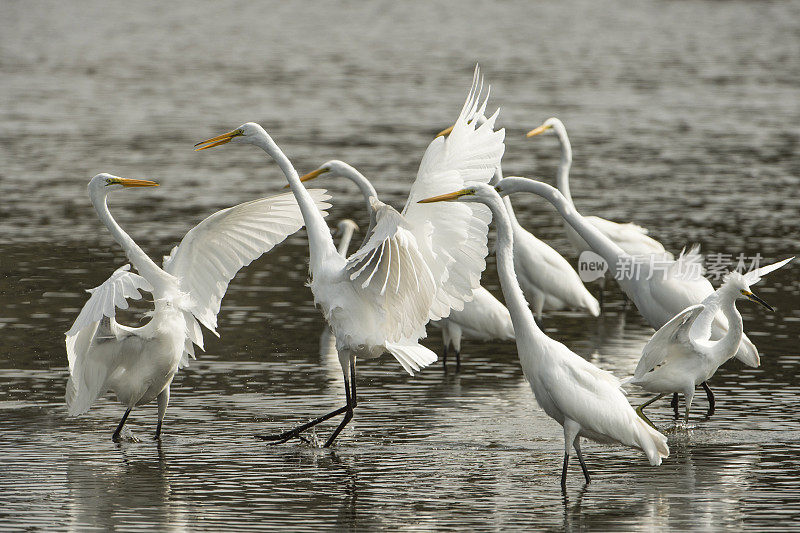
{"points": [[587, 401], [414, 265], [138, 364], [681, 355], [658, 290], [633, 239], [345, 229], [482, 318]]}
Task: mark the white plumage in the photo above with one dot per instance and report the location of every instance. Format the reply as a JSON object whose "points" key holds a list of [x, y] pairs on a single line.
{"points": [[138, 364], [413, 266], [345, 229], [682, 355], [584, 399]]}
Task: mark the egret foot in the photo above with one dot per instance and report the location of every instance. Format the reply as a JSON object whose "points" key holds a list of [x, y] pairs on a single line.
{"points": [[640, 410], [295, 432], [116, 436], [710, 396]]}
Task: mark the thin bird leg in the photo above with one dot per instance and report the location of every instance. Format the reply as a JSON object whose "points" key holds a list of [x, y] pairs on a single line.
{"points": [[577, 447], [458, 360], [115, 436], [295, 432], [710, 396], [163, 401], [640, 410], [444, 358], [351, 403], [571, 430], [674, 404], [564, 472]]}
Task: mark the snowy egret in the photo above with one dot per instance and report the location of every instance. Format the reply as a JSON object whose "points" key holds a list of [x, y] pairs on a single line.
{"points": [[681, 355], [482, 318], [413, 267], [632, 238], [659, 290], [584, 399], [138, 364]]}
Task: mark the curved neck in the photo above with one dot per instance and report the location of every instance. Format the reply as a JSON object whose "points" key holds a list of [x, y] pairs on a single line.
{"points": [[498, 175], [726, 347], [562, 178], [363, 184], [521, 317], [601, 244], [320, 241], [344, 241], [146, 267]]}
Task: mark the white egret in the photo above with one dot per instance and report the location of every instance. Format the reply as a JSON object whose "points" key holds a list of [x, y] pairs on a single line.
{"points": [[138, 364], [659, 290], [584, 399], [681, 355], [547, 279], [344, 229], [482, 318], [414, 266], [630, 237]]}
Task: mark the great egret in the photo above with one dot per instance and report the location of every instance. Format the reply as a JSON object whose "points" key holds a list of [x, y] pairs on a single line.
{"points": [[344, 229], [413, 267], [547, 279], [584, 399], [632, 238], [482, 318], [660, 290], [681, 354], [138, 364]]}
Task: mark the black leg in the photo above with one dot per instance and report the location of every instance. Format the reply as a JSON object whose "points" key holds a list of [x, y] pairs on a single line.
{"points": [[295, 432], [640, 410], [710, 396], [115, 436], [580, 458], [674, 404], [351, 403], [564, 472], [444, 358], [458, 360]]}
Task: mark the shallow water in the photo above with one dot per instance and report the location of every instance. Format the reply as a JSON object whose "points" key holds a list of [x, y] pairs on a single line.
{"points": [[683, 118]]}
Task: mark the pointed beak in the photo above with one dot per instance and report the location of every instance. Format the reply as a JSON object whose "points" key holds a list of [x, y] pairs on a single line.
{"points": [[446, 131], [218, 140], [536, 131], [128, 182], [311, 175], [446, 197], [753, 298]]}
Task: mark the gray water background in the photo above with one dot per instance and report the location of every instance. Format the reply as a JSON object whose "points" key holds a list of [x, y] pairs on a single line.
{"points": [[683, 118]]}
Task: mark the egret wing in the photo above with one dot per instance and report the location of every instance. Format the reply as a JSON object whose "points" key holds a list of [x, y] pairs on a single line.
{"points": [[452, 235], [212, 252], [390, 272], [658, 347]]}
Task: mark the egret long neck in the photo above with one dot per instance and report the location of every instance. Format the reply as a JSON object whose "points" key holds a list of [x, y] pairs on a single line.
{"points": [[728, 345], [146, 267], [320, 241], [498, 175], [562, 178], [525, 328], [344, 241], [363, 184], [601, 244]]}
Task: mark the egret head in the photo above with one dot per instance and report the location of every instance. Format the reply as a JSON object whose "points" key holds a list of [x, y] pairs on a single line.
{"points": [[246, 133], [106, 183], [344, 225], [334, 167], [473, 192], [738, 283], [550, 126]]}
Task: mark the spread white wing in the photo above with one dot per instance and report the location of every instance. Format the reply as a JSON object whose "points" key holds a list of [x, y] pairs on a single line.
{"points": [[212, 252], [452, 235], [389, 271], [658, 347], [106, 298]]}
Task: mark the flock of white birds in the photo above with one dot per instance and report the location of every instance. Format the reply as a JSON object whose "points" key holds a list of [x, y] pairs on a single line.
{"points": [[417, 265]]}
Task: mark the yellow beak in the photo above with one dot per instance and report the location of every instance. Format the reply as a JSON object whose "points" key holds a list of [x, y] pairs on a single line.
{"points": [[446, 131], [446, 197], [311, 175], [128, 182], [219, 139], [536, 131]]}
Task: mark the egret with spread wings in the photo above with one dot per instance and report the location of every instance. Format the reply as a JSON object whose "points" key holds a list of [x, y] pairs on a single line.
{"points": [[681, 355], [138, 364], [414, 265]]}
